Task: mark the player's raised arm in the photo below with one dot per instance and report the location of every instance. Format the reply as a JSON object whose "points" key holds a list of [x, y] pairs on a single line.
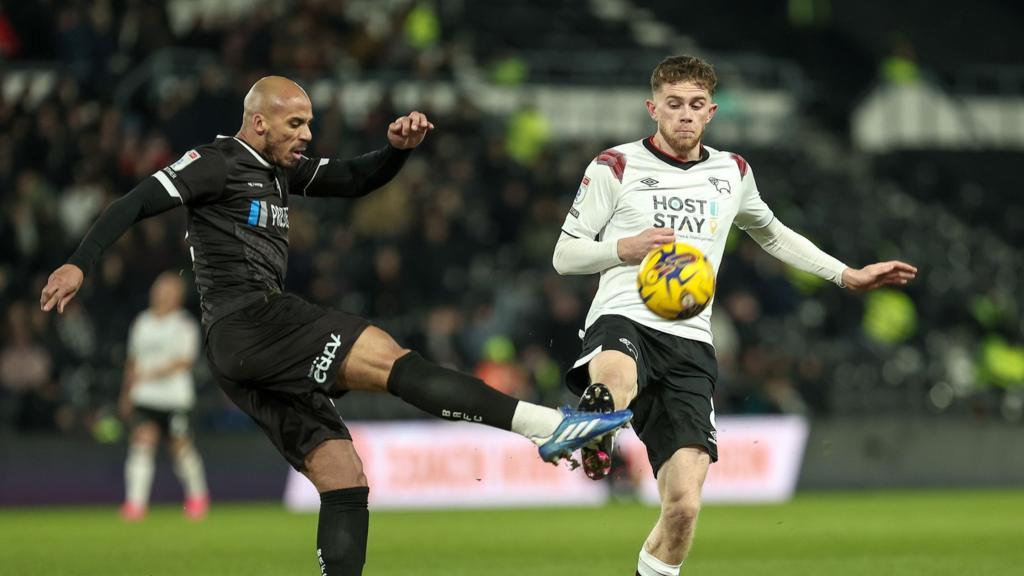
{"points": [[797, 251], [363, 174], [194, 177]]}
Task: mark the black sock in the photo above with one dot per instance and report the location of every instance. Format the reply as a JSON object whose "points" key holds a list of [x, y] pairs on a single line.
{"points": [[341, 532], [449, 394]]}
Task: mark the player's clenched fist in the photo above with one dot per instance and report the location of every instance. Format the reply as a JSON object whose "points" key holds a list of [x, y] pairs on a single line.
{"points": [[61, 287], [408, 131], [633, 249]]}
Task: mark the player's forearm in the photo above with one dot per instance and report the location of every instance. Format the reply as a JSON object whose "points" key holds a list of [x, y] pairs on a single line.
{"points": [[170, 370], [584, 256], [147, 199], [797, 251], [129, 378], [356, 176]]}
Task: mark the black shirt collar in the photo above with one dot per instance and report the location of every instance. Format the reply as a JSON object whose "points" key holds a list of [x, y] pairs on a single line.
{"points": [[674, 160]]}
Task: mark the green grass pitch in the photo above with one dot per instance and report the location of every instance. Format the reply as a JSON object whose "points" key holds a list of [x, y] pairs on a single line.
{"points": [[900, 533]]}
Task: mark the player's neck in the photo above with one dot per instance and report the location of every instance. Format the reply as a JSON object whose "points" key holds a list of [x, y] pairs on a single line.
{"points": [[688, 155], [252, 141], [248, 139], [161, 312]]}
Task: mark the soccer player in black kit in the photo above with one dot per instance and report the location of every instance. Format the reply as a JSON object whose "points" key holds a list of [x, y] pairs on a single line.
{"points": [[278, 357]]}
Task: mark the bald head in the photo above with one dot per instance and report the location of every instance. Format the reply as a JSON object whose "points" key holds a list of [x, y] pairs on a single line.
{"points": [[270, 95], [275, 120]]}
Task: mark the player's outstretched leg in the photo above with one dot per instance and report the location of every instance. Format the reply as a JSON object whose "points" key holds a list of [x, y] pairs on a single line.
{"points": [[376, 362]]}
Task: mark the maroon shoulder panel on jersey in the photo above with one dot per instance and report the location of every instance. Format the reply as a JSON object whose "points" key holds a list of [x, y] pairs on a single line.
{"points": [[615, 160], [741, 163]]}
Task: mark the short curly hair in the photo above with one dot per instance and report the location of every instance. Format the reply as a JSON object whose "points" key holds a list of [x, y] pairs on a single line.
{"points": [[684, 69]]}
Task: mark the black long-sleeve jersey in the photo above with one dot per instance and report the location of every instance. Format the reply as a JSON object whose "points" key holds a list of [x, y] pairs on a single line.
{"points": [[237, 205]]}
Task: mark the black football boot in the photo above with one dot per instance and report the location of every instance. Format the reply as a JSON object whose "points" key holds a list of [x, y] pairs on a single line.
{"points": [[597, 459]]}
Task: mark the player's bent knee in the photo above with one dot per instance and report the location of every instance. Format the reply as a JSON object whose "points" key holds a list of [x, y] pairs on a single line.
{"points": [[679, 517], [368, 365], [334, 465], [179, 446], [145, 434], [680, 512]]}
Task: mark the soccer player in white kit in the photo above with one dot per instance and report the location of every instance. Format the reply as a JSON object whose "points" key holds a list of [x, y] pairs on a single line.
{"points": [[637, 196], [157, 396]]}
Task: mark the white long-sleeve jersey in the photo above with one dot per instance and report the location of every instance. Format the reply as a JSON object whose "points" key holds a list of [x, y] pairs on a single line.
{"points": [[632, 187], [156, 342]]}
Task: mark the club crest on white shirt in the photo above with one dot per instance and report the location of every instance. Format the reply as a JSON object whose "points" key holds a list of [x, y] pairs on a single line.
{"points": [[721, 185]]}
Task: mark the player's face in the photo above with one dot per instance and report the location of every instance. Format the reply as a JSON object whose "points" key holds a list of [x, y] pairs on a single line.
{"points": [[288, 132], [682, 111], [166, 294]]}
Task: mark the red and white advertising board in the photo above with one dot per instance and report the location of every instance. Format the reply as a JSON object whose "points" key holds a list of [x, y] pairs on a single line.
{"points": [[453, 465], [758, 460]]}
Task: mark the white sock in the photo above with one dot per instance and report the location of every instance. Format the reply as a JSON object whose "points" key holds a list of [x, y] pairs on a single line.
{"points": [[189, 468], [535, 422], [138, 475], [648, 565]]}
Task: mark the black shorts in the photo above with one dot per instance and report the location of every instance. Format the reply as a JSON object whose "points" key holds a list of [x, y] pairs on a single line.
{"points": [[173, 423], [676, 379], [278, 359]]}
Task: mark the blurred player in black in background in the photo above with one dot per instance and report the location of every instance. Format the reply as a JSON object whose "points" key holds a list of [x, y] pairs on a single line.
{"points": [[280, 358]]}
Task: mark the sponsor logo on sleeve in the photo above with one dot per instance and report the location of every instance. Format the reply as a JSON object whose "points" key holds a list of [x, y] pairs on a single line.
{"points": [[582, 191], [186, 159]]}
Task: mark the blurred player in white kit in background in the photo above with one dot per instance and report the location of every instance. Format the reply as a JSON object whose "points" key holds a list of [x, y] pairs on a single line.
{"points": [[157, 395]]}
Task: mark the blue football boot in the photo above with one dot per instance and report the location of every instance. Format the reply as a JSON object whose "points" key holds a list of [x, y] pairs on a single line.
{"points": [[580, 429]]}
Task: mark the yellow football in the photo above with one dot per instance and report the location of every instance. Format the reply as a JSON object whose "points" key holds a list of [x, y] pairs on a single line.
{"points": [[676, 281]]}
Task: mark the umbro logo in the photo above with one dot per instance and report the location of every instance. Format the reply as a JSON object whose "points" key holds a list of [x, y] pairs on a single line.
{"points": [[649, 181]]}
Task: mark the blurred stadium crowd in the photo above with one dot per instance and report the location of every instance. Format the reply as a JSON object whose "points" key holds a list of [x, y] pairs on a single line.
{"points": [[454, 257]]}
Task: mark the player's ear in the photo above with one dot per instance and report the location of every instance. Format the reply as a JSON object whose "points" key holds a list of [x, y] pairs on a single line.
{"points": [[711, 111], [259, 124], [650, 109]]}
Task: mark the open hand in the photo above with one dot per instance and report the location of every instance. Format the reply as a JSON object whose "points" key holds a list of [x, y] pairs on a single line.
{"points": [[891, 273], [633, 249], [408, 131], [61, 287]]}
